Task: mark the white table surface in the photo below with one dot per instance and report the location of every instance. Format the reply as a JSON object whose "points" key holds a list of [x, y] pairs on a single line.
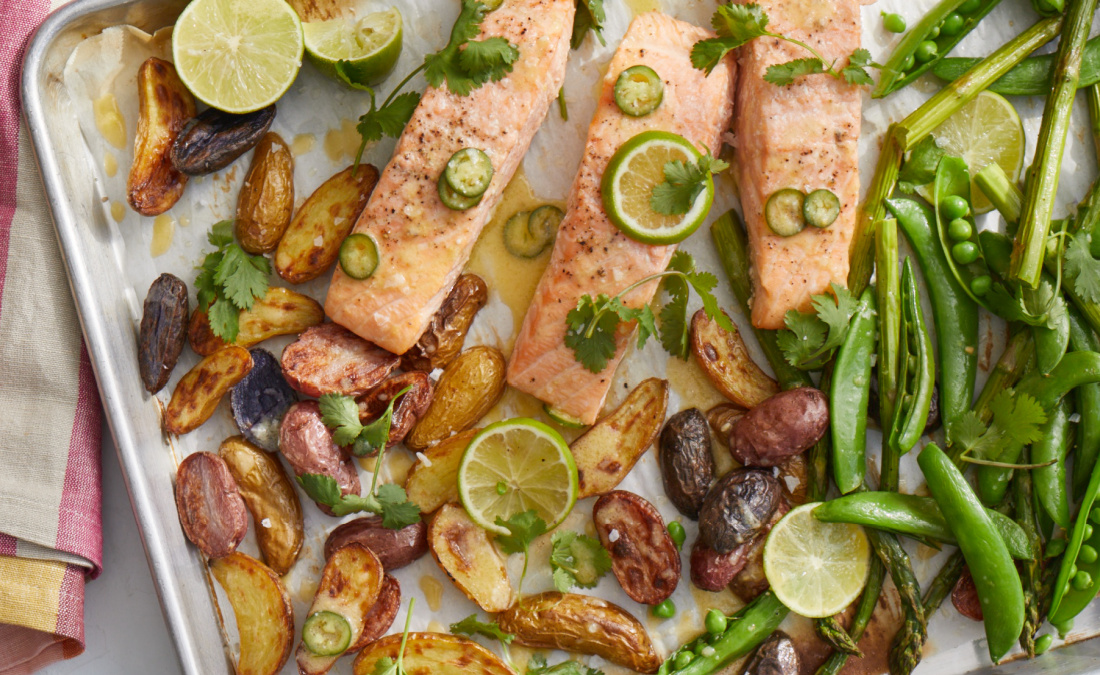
{"points": [[124, 629]]}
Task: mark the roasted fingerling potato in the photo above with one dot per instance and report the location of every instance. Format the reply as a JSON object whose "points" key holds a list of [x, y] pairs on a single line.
{"points": [[725, 360], [198, 393], [785, 424], [311, 243], [643, 556], [432, 654], [280, 312], [468, 388], [210, 508], [330, 359], [210, 141], [307, 445], [163, 331], [265, 203], [270, 498], [443, 340], [687, 465], [261, 399], [409, 408], [470, 559], [607, 452], [164, 107], [433, 480], [382, 613], [394, 548], [264, 614]]}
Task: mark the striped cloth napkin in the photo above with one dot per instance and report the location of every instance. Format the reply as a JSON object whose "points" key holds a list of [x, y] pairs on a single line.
{"points": [[51, 536]]}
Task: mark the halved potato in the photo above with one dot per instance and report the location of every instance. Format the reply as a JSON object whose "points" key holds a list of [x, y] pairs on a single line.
{"points": [[280, 312], [605, 453], [432, 654], [723, 357], [464, 551], [164, 107], [433, 481], [468, 388], [265, 617], [198, 393], [349, 586]]}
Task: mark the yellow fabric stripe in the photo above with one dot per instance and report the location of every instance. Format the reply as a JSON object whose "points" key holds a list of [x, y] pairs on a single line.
{"points": [[30, 591]]}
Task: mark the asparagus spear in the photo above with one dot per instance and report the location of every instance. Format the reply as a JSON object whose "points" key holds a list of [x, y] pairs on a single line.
{"points": [[1032, 572], [1042, 186], [866, 608], [1002, 193]]}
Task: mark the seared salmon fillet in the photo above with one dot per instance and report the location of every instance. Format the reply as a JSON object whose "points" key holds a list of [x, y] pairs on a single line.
{"points": [[590, 254], [803, 136], [422, 244]]}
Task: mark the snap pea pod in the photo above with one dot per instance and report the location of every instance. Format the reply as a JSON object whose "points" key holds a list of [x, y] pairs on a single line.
{"points": [[1006, 197], [1032, 77], [1079, 574], [954, 313], [1048, 7], [1052, 337], [999, 588], [1050, 480], [1092, 97], [1082, 339], [929, 40], [849, 392], [914, 516], [745, 630], [889, 319], [1031, 574], [916, 368]]}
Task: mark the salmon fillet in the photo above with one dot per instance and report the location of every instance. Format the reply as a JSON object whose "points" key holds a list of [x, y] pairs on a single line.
{"points": [[590, 254], [805, 136], [422, 244]]}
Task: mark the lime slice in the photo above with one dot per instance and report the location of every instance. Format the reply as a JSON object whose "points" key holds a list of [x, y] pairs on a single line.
{"points": [[816, 569], [237, 55], [370, 45], [514, 466], [638, 167], [984, 131]]}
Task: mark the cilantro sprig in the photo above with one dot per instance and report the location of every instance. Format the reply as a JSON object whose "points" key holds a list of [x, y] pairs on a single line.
{"points": [[590, 16], [229, 281], [593, 323], [491, 629], [577, 560], [738, 24], [1017, 420], [810, 338], [537, 666], [684, 182], [523, 528], [1081, 269], [464, 64], [387, 666]]}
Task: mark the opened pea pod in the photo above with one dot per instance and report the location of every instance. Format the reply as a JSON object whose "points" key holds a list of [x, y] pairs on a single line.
{"points": [[916, 367]]}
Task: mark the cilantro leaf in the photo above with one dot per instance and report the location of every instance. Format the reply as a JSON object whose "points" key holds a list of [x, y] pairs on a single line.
{"points": [[537, 666], [740, 22], [590, 16], [206, 287], [704, 284], [396, 510], [389, 120], [243, 277], [674, 324], [1082, 270], [488, 60], [325, 490], [594, 350], [643, 315], [229, 280], [577, 560], [220, 234], [490, 629], [920, 166], [375, 435], [810, 338], [341, 414], [684, 182], [344, 74], [854, 72], [523, 528], [1016, 420], [707, 54], [224, 319], [782, 74]]}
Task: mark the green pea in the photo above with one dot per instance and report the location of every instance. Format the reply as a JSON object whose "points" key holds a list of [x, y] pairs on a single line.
{"points": [[926, 51], [908, 63], [969, 6], [1082, 580], [683, 660], [960, 229], [954, 207], [964, 252], [715, 621], [1087, 554], [1094, 515], [933, 33], [979, 286], [952, 25], [1073, 570], [1063, 628], [676, 531], [1088, 531], [1055, 547], [895, 23], [1043, 643], [665, 610]]}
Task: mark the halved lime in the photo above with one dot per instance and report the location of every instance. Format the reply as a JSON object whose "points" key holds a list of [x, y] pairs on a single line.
{"points": [[627, 187], [514, 466], [370, 44], [984, 131], [816, 569], [237, 55]]}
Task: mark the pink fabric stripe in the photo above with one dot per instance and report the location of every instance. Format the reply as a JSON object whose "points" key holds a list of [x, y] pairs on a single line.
{"points": [[7, 545], [80, 526], [70, 608]]}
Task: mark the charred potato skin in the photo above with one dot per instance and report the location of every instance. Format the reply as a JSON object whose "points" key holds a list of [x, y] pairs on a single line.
{"points": [[725, 360], [265, 203], [211, 141], [643, 556], [280, 312], [712, 571], [607, 452], [382, 613], [432, 654], [329, 213], [262, 608], [751, 580], [687, 465], [394, 548], [470, 560], [564, 621], [434, 482], [211, 510], [198, 393], [409, 408], [468, 388], [786, 424], [330, 359], [164, 107], [270, 498], [776, 656], [163, 331], [443, 340], [721, 418], [737, 507]]}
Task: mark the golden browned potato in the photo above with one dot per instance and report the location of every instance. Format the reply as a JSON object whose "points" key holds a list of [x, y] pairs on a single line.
{"points": [[312, 242], [280, 312], [350, 584], [381, 615], [266, 200], [607, 451], [465, 552], [468, 388], [443, 339], [164, 106], [265, 617], [433, 481], [723, 357], [432, 654], [198, 393], [270, 498], [584, 624]]}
